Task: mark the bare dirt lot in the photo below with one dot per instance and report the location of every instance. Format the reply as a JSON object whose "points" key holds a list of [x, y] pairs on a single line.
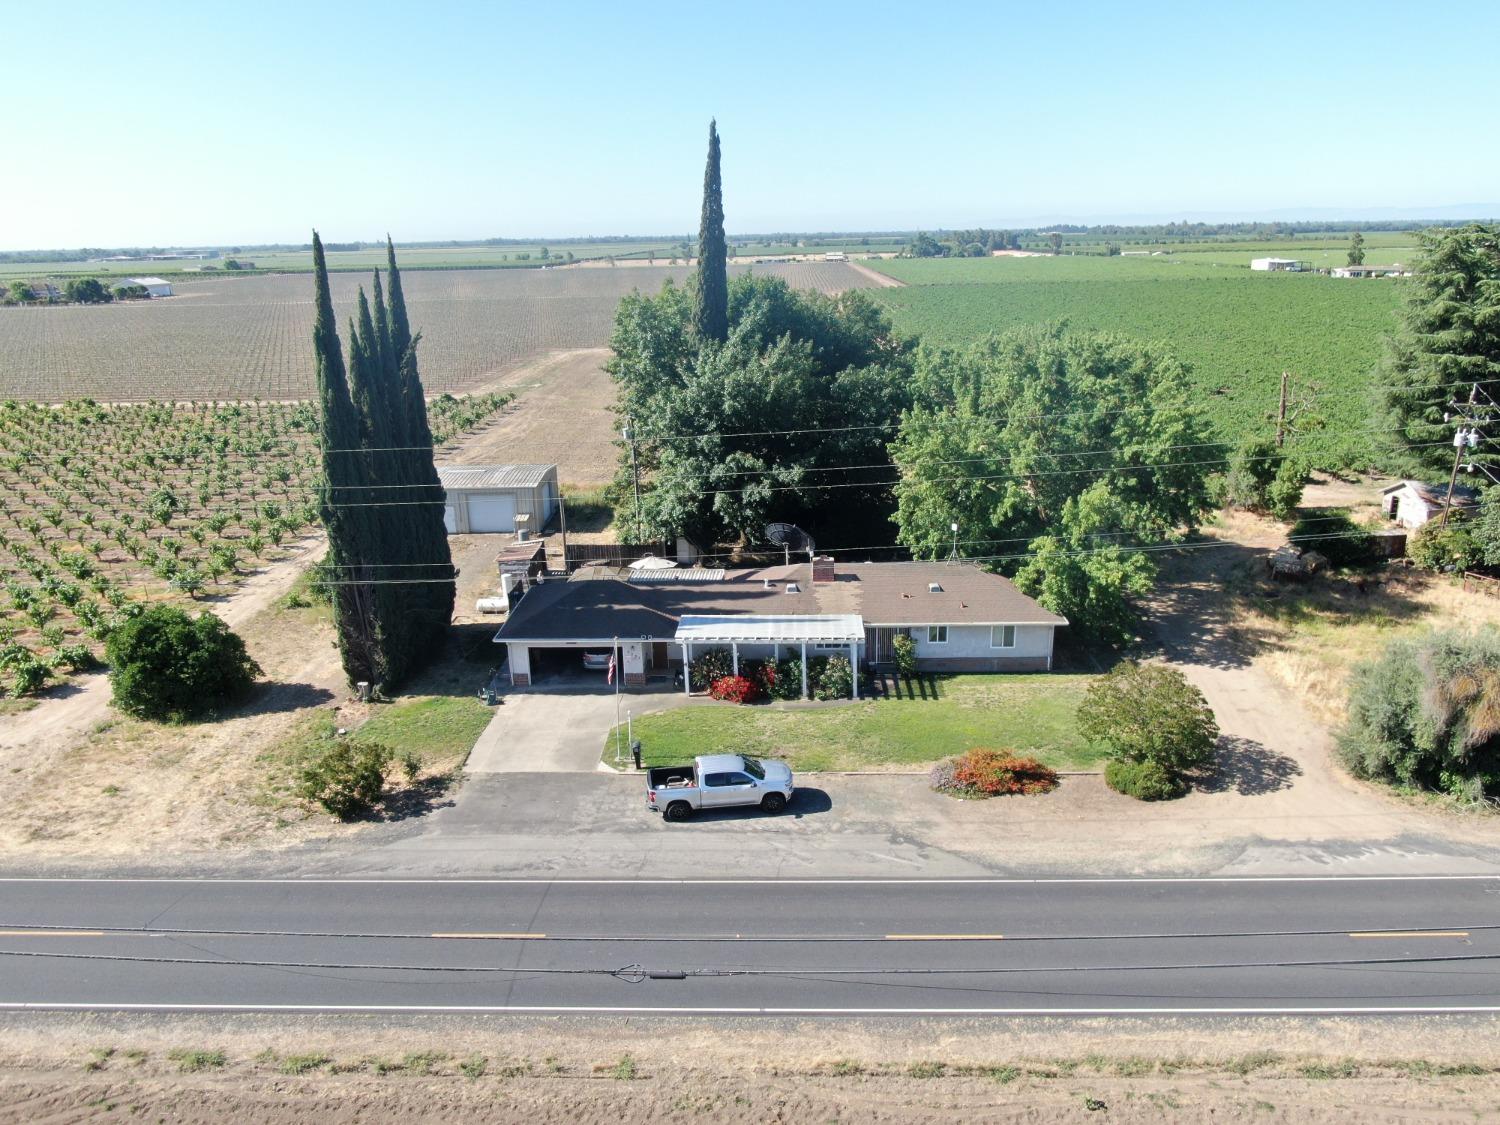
{"points": [[272, 1070], [562, 414]]}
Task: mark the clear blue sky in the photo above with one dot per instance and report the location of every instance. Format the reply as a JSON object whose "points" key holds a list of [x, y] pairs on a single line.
{"points": [[176, 123]]}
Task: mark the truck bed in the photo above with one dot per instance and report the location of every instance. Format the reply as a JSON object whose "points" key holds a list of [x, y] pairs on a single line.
{"points": [[670, 777]]}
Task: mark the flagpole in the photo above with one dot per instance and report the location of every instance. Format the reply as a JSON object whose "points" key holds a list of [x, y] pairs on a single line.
{"points": [[615, 670]]}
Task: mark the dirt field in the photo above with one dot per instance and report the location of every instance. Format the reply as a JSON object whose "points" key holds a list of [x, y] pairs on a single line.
{"points": [[196, 1070], [245, 338], [562, 414]]}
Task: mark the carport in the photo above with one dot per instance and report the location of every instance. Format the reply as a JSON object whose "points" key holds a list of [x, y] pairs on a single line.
{"points": [[765, 636]]}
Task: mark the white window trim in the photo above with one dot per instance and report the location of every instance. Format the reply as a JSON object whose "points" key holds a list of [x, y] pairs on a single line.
{"points": [[1002, 629], [930, 639]]}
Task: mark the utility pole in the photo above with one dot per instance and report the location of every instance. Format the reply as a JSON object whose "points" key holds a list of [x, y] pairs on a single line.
{"points": [[1281, 411], [1465, 438], [635, 473]]}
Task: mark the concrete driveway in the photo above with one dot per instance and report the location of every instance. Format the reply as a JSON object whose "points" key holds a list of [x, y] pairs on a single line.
{"points": [[555, 732]]}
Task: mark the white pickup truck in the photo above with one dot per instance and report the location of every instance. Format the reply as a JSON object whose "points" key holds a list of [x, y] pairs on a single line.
{"points": [[718, 781]]}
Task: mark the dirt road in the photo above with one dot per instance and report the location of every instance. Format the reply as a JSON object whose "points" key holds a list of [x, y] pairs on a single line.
{"points": [[561, 414]]}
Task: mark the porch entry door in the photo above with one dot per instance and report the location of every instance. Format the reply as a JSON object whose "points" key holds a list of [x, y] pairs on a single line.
{"points": [[878, 645]]}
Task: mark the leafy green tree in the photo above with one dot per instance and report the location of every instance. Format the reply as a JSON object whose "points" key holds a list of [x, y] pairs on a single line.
{"points": [[167, 666], [1427, 714], [87, 291], [1252, 470], [1149, 713], [1356, 249], [923, 245], [1484, 528], [1444, 547], [711, 312], [1055, 241], [1449, 341], [1071, 442], [347, 778], [21, 291], [733, 436]]}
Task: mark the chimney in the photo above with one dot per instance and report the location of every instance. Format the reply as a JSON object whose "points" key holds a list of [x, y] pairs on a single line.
{"points": [[822, 568]]}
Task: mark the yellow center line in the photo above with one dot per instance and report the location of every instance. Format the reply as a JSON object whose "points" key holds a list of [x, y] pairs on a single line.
{"points": [[1411, 934], [51, 933], [493, 937], [944, 937]]}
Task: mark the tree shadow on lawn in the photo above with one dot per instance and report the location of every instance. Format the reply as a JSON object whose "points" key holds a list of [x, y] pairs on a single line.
{"points": [[1244, 766], [805, 802]]}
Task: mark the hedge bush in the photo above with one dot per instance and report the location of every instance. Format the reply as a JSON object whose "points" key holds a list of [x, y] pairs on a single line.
{"points": [[991, 773], [1427, 714], [1435, 547], [1145, 781], [1149, 713], [1336, 537], [788, 681], [709, 665], [834, 680], [904, 653], [734, 689]]}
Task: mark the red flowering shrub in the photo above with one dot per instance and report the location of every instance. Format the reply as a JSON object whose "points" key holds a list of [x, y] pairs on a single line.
{"points": [[762, 674], [733, 689], [993, 773]]}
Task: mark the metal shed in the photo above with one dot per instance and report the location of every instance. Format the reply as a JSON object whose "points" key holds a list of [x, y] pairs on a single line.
{"points": [[498, 498]]}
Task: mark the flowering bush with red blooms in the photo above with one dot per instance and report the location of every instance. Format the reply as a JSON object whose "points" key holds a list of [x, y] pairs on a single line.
{"points": [[994, 773], [733, 689], [761, 673]]}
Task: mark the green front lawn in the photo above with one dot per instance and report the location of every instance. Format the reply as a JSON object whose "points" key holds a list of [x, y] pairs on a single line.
{"points": [[1033, 714], [437, 727]]}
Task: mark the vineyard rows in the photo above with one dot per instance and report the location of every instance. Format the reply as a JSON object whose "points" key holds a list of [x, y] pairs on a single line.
{"points": [[241, 339], [104, 509]]}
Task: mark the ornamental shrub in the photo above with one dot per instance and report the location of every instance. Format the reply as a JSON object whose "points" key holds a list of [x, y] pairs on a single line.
{"points": [[788, 681], [1149, 713], [733, 689], [709, 665], [1145, 781], [348, 778], [167, 666], [1435, 547], [904, 653], [836, 680], [993, 773], [761, 673]]}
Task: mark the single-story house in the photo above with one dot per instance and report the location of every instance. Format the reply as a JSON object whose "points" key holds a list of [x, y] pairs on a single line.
{"points": [[1370, 271], [485, 498], [154, 286], [1412, 503], [962, 618]]}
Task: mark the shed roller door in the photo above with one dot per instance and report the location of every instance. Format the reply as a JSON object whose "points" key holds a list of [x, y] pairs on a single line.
{"points": [[496, 512]]}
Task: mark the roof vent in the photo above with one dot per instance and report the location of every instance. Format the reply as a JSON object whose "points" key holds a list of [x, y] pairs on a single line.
{"points": [[934, 588], [793, 588], [765, 583]]}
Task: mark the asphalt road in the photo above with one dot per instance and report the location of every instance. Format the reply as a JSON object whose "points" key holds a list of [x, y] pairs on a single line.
{"points": [[828, 947]]}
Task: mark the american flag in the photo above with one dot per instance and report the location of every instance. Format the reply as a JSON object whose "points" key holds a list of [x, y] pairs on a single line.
{"points": [[610, 676]]}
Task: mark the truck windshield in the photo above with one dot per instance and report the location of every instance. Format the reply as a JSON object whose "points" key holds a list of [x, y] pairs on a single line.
{"points": [[753, 768]]}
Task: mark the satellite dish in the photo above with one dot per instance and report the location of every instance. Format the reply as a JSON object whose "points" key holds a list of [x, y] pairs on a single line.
{"points": [[788, 535]]}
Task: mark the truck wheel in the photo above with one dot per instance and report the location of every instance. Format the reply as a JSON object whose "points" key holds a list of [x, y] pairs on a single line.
{"points": [[773, 802], [678, 810]]}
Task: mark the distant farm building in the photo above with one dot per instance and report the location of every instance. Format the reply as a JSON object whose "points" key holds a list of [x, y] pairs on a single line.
{"points": [[1394, 270], [489, 498], [1280, 265], [1412, 503], [154, 286], [835, 256]]}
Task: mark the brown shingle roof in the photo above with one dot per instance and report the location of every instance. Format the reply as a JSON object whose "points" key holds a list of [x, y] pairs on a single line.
{"points": [[882, 593]]}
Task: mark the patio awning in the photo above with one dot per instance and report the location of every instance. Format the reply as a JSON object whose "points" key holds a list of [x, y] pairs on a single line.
{"points": [[749, 629]]}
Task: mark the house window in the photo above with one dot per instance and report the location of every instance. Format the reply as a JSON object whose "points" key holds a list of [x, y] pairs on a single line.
{"points": [[1002, 636], [937, 634]]}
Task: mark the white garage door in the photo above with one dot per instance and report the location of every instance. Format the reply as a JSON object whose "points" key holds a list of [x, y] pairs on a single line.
{"points": [[450, 518], [496, 512]]}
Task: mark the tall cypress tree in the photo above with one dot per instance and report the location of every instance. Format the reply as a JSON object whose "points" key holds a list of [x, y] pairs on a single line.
{"points": [[711, 312], [380, 499], [342, 486]]}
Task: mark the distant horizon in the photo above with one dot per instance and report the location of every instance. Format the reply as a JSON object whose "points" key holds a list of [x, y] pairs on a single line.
{"points": [[1446, 214]]}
